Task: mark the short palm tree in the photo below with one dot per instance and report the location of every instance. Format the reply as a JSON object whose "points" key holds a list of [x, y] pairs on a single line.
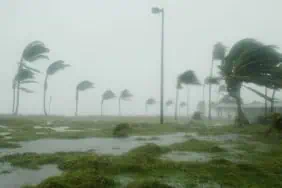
{"points": [[107, 95], [188, 78], [33, 51], [81, 86], [125, 95], [51, 70], [150, 101], [182, 105]]}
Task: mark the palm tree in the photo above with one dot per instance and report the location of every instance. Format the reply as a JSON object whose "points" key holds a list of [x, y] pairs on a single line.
{"points": [[51, 70], [182, 105], [188, 78], [125, 95], [211, 80], [24, 76], [218, 53], [168, 103], [81, 86], [178, 87], [251, 61], [150, 101], [107, 95], [32, 52]]}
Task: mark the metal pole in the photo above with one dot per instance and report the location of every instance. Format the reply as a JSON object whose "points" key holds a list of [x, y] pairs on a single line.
{"points": [[162, 72]]}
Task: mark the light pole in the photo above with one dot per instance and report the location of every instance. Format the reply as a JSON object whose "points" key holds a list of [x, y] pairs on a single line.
{"points": [[156, 10]]}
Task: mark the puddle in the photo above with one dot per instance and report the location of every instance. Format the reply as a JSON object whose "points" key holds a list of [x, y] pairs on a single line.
{"points": [[3, 126], [187, 156], [58, 129], [19, 177], [5, 133], [217, 138], [100, 145]]}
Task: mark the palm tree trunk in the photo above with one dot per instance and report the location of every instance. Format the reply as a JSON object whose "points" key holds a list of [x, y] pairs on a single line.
{"points": [[76, 101], [50, 101], [18, 88], [119, 109], [14, 98], [210, 88], [187, 107], [272, 101], [176, 104], [102, 107], [204, 102], [265, 103], [44, 95]]}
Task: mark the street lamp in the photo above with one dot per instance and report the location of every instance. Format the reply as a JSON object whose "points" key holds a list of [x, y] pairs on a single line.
{"points": [[156, 10]]}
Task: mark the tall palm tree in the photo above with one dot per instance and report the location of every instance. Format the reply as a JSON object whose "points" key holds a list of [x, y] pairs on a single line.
{"points": [[23, 77], [125, 95], [51, 70], [178, 87], [150, 101], [107, 95], [81, 86], [188, 78], [182, 105], [251, 61], [218, 53], [32, 52]]}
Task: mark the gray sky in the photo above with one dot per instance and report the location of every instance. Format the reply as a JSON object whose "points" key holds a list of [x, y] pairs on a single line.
{"points": [[116, 44]]}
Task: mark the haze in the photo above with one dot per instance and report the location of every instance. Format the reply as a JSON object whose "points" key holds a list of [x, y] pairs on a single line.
{"points": [[116, 44]]}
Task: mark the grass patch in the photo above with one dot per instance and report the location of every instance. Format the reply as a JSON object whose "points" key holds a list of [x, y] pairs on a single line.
{"points": [[5, 144]]}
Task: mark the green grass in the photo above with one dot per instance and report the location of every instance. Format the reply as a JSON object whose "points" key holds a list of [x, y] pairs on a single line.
{"points": [[6, 144]]}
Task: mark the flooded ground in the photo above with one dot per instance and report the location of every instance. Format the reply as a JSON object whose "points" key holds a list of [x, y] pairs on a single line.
{"points": [[18, 177]]}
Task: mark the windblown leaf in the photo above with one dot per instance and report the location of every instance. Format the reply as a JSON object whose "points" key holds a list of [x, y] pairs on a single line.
{"points": [[26, 90], [84, 85], [108, 94], [151, 101], [56, 66], [33, 51], [125, 95]]}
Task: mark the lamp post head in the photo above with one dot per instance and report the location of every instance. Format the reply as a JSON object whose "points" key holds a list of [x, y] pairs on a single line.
{"points": [[156, 10]]}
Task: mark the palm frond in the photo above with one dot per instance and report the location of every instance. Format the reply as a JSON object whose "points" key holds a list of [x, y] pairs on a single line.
{"points": [[29, 82], [169, 103], [212, 80], [38, 57], [24, 74], [108, 94], [56, 66], [26, 90], [189, 78], [258, 93], [84, 85], [125, 94], [30, 68], [33, 51], [151, 101], [183, 104]]}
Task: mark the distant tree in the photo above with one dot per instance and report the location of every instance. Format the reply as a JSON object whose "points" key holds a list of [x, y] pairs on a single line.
{"points": [[188, 78], [218, 53], [107, 95], [168, 103], [182, 105], [150, 101], [32, 52], [82, 86], [125, 95], [51, 70], [178, 87], [201, 106]]}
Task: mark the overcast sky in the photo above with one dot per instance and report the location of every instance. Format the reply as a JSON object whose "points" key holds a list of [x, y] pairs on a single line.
{"points": [[116, 44]]}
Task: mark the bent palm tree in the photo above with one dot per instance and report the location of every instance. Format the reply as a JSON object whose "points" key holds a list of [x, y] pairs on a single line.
{"points": [[188, 78], [51, 70], [107, 95], [251, 61], [82, 86], [218, 53], [150, 101], [124, 95], [32, 52]]}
